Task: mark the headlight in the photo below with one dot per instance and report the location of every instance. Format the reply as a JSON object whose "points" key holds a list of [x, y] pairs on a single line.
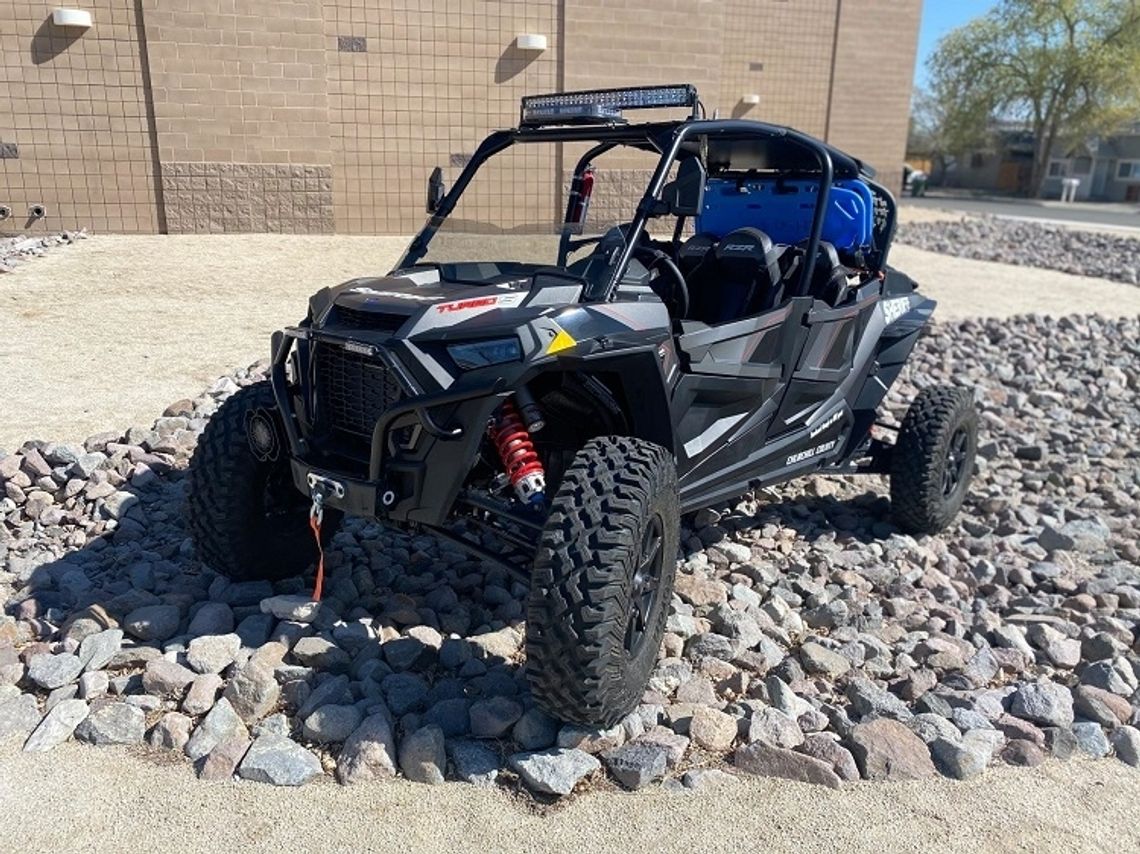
{"points": [[480, 354]]}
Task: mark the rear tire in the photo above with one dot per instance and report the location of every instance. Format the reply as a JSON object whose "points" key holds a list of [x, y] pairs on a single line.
{"points": [[246, 518], [603, 581], [933, 459]]}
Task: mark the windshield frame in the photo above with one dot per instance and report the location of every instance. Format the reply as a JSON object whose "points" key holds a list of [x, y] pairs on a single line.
{"points": [[666, 138]]}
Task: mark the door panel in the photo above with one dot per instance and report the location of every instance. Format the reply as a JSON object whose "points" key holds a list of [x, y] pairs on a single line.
{"points": [[734, 377]]}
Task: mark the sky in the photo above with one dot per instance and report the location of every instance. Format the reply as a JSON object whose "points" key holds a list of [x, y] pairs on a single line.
{"points": [[938, 18]]}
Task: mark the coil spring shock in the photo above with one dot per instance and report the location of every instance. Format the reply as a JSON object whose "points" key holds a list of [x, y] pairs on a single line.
{"points": [[520, 460]]}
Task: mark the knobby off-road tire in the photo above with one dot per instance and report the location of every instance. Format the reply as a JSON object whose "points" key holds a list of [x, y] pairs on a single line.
{"points": [[246, 518], [933, 459], [603, 580]]}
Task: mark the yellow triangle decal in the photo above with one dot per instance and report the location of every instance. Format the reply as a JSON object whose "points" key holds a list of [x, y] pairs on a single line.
{"points": [[562, 341]]}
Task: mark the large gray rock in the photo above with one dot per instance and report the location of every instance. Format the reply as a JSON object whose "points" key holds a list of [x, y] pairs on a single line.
{"points": [[112, 723], [18, 717], [1045, 703], [166, 679], [828, 750], [764, 760], [636, 764], [213, 618], [172, 732], [213, 653], [774, 728], [221, 723], [203, 694], [97, 650], [321, 654], [535, 730], [886, 749], [1091, 739], [473, 761], [493, 717], [423, 757], [221, 763], [280, 761], [253, 691], [871, 700], [332, 724], [556, 771], [1126, 743], [334, 690], [962, 759], [153, 622], [54, 671], [56, 726], [297, 608], [369, 752]]}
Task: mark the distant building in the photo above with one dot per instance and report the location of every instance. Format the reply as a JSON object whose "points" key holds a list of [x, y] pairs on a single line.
{"points": [[1108, 169]]}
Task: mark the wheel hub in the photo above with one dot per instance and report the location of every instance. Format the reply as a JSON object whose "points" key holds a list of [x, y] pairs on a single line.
{"points": [[957, 458], [645, 585]]}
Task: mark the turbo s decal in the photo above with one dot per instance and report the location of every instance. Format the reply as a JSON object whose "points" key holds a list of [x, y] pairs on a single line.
{"points": [[485, 303]]}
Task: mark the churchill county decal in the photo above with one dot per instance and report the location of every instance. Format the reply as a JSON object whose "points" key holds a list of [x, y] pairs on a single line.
{"points": [[809, 453]]}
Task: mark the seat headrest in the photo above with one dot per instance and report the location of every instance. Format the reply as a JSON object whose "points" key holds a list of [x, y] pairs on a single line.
{"points": [[745, 245]]}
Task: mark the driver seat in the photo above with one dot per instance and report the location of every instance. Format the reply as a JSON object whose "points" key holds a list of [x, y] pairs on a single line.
{"points": [[739, 278]]}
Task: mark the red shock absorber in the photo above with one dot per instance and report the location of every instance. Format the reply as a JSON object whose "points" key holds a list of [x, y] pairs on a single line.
{"points": [[520, 460]]}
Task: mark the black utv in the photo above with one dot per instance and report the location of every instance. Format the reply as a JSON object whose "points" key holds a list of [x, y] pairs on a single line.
{"points": [[601, 326]]}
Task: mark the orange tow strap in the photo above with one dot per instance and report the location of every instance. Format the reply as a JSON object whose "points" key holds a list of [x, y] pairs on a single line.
{"points": [[315, 525]]}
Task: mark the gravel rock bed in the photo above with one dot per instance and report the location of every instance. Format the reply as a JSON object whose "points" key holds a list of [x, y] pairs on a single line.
{"points": [[1029, 244], [808, 639], [15, 250]]}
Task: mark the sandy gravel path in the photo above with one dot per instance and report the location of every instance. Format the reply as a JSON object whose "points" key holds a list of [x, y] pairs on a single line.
{"points": [[83, 798], [107, 333]]}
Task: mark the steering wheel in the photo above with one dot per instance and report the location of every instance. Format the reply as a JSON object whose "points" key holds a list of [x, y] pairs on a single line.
{"points": [[678, 288]]}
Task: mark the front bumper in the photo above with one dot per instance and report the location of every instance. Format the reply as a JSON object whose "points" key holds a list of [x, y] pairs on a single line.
{"points": [[396, 486]]}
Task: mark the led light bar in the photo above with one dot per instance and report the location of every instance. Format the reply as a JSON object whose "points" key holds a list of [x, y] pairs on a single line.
{"points": [[602, 105]]}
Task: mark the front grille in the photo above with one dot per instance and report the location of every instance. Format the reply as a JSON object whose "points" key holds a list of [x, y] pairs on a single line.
{"points": [[351, 318], [353, 390]]}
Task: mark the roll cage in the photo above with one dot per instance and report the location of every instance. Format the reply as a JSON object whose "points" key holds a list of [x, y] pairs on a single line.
{"points": [[675, 141]]}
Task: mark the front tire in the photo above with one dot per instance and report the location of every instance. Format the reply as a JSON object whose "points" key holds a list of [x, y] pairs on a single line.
{"points": [[603, 581], [246, 518], [933, 459]]}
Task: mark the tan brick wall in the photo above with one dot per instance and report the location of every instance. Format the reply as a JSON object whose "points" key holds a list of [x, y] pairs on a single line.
{"points": [[432, 80], [73, 112], [874, 72], [318, 115]]}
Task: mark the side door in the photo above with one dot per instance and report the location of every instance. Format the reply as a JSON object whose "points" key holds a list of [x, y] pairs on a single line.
{"points": [[733, 380]]}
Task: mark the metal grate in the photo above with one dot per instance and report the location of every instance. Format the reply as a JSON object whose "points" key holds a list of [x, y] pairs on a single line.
{"points": [[354, 390], [351, 318]]}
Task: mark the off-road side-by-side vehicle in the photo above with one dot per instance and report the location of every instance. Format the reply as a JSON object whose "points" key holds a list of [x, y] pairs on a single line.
{"points": [[558, 369]]}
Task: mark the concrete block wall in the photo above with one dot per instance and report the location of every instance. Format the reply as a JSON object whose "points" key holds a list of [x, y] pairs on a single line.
{"points": [[329, 115]]}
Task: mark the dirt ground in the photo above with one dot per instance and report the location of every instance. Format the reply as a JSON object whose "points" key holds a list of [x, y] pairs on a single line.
{"points": [[107, 333], [82, 798]]}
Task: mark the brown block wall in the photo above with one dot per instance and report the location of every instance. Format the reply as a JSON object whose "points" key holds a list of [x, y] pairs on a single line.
{"points": [[73, 121], [323, 115]]}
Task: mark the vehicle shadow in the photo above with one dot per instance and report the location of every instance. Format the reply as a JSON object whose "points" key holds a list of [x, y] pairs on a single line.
{"points": [[138, 572], [854, 517]]}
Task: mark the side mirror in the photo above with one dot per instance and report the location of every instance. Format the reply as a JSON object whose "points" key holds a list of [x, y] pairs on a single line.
{"points": [[687, 191], [435, 190]]}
